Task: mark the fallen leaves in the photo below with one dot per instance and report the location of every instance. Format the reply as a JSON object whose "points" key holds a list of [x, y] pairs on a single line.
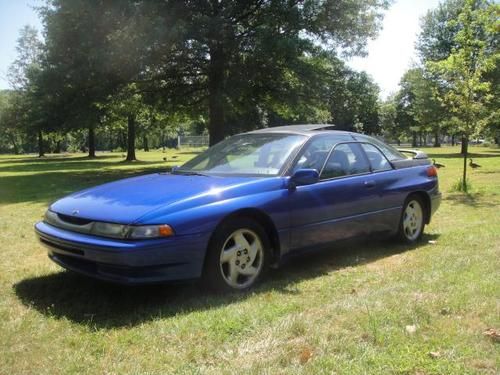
{"points": [[305, 355], [493, 334]]}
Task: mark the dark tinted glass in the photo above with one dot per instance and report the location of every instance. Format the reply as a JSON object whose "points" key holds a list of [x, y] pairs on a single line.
{"points": [[390, 152], [378, 161], [314, 154], [346, 159]]}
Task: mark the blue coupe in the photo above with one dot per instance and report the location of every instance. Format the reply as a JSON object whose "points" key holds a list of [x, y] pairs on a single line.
{"points": [[241, 206]]}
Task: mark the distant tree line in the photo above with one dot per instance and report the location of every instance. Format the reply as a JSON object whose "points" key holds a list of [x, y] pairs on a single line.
{"points": [[121, 74], [125, 73], [454, 89], [458, 50]]}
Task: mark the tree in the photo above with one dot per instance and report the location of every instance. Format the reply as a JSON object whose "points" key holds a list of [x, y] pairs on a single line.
{"points": [[464, 70], [436, 39], [93, 53], [223, 53], [30, 54], [388, 119], [405, 99]]}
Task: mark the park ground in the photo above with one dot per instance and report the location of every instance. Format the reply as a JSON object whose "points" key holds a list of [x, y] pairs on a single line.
{"points": [[368, 308]]}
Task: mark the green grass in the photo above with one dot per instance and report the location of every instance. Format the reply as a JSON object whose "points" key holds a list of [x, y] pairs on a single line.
{"points": [[340, 311]]}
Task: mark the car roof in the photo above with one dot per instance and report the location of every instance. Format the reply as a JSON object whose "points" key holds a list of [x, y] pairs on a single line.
{"points": [[305, 129]]}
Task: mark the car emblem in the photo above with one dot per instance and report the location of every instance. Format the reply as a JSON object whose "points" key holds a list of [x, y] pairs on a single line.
{"points": [[75, 212]]}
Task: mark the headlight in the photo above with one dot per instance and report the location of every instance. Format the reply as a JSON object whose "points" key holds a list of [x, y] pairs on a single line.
{"points": [[50, 217], [150, 231], [109, 230]]}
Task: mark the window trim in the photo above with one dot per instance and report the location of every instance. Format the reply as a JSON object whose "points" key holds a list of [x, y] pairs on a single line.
{"points": [[381, 152]]}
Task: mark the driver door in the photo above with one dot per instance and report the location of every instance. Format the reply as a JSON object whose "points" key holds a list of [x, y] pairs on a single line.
{"points": [[336, 207]]}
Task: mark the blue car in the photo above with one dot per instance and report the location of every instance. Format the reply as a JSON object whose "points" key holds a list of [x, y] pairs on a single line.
{"points": [[242, 206]]}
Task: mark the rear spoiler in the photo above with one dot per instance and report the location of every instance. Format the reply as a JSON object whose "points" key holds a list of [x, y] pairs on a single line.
{"points": [[418, 158], [416, 153]]}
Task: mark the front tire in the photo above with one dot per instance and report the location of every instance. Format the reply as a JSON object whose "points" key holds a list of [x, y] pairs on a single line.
{"points": [[237, 256], [412, 222]]}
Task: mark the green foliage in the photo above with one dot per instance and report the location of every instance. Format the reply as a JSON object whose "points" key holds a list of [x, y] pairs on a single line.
{"points": [[463, 71], [223, 66], [460, 186]]}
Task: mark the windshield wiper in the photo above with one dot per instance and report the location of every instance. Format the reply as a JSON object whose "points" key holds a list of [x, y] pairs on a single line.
{"points": [[189, 173]]}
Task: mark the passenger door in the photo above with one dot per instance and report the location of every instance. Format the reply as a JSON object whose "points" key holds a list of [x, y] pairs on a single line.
{"points": [[387, 206], [336, 207]]}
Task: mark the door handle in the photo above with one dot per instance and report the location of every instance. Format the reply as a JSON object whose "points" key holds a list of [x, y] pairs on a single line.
{"points": [[369, 184]]}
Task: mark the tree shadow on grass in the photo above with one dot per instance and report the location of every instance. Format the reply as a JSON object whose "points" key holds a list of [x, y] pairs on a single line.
{"points": [[61, 158], [100, 305], [46, 187], [70, 165], [471, 199]]}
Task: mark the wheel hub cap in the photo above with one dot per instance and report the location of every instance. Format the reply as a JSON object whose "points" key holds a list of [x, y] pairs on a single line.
{"points": [[412, 220], [241, 258]]}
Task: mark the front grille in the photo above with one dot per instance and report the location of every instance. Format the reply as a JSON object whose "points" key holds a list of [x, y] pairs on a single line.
{"points": [[73, 220]]}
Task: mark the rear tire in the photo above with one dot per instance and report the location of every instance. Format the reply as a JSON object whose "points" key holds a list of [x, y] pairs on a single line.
{"points": [[237, 256], [412, 222]]}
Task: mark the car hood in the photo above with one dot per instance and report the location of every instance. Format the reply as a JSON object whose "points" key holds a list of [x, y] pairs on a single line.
{"points": [[126, 201]]}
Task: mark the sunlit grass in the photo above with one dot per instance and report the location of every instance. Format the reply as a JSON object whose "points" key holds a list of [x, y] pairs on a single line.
{"points": [[340, 311]]}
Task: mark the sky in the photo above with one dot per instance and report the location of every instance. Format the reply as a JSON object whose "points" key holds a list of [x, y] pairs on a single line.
{"points": [[388, 56], [14, 14], [393, 52]]}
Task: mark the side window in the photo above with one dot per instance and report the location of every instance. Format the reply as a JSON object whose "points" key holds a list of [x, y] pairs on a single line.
{"points": [[390, 152], [316, 152], [346, 159], [377, 160]]}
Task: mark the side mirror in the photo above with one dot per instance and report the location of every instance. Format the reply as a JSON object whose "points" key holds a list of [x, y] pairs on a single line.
{"points": [[305, 177]]}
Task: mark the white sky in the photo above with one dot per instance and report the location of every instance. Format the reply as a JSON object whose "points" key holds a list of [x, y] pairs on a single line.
{"points": [[388, 56], [394, 50]]}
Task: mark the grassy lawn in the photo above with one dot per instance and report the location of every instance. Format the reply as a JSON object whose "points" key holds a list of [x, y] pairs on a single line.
{"points": [[375, 307]]}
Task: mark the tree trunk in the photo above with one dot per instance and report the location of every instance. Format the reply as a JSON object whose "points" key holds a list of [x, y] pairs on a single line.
{"points": [[414, 139], [131, 138], [57, 149], [465, 145], [91, 141], [464, 177], [216, 125], [123, 140], [145, 142], [453, 139], [14, 143], [41, 151], [437, 142]]}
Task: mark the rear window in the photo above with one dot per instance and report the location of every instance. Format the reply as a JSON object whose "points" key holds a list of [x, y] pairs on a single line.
{"points": [[390, 152]]}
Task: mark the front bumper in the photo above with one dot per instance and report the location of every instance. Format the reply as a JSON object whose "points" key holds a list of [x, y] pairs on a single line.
{"points": [[125, 261]]}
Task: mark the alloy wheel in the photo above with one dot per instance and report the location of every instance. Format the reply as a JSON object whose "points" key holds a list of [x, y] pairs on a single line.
{"points": [[412, 220], [241, 258]]}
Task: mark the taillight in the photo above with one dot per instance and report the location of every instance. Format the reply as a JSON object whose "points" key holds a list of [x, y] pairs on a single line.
{"points": [[432, 171]]}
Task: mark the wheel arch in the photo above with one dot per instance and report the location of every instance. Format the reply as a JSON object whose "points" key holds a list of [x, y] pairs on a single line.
{"points": [[426, 200], [260, 217]]}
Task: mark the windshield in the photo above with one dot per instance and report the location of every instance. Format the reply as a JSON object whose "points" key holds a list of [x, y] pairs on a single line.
{"points": [[246, 154]]}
